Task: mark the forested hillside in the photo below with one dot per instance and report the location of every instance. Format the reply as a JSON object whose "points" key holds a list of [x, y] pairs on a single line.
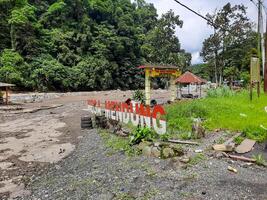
{"points": [[84, 44]]}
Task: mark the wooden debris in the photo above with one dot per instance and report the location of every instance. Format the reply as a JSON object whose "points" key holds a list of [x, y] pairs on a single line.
{"points": [[232, 169], [223, 147], [225, 154], [183, 142], [242, 158], [245, 146]]}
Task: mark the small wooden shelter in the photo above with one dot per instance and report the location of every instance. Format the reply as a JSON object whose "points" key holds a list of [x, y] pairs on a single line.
{"points": [[189, 78], [6, 87]]}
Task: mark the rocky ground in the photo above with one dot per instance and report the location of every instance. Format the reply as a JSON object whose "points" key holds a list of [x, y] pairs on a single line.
{"points": [[45, 155]]}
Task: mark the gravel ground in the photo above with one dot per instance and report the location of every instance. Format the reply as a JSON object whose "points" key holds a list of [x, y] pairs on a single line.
{"points": [[92, 172]]}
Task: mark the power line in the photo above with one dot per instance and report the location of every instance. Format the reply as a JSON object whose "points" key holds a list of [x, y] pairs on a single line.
{"points": [[256, 4], [203, 17]]}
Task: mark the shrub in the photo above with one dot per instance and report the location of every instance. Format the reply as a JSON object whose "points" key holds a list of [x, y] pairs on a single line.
{"points": [[260, 160], [142, 134], [255, 133], [139, 96], [220, 92]]}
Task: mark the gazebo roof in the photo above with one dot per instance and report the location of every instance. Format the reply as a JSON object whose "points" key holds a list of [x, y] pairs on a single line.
{"points": [[6, 85], [189, 77]]}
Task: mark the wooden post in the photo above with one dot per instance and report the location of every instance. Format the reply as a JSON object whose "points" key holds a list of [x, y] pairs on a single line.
{"points": [[250, 90], [258, 88], [147, 86], [6, 95], [173, 88], [200, 90], [188, 87], [180, 90]]}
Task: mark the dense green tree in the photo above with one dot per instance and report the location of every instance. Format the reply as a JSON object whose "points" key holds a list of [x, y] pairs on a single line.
{"points": [[84, 44]]}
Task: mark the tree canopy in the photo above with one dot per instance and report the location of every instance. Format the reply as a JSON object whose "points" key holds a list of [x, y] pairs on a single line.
{"points": [[227, 52], [84, 44]]}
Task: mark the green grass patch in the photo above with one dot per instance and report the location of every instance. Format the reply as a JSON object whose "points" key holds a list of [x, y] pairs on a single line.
{"points": [[221, 110], [197, 159], [118, 143]]}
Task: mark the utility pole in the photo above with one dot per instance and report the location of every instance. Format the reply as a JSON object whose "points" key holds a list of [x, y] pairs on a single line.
{"points": [[259, 28], [265, 62]]}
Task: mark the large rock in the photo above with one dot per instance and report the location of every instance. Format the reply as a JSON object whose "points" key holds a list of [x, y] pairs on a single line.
{"points": [[167, 152], [155, 152], [142, 145], [147, 151]]}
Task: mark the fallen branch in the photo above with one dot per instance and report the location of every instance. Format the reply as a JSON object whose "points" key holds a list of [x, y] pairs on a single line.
{"points": [[242, 158], [183, 142]]}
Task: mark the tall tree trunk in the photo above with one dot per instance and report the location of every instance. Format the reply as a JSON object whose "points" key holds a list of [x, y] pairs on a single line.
{"points": [[12, 37]]}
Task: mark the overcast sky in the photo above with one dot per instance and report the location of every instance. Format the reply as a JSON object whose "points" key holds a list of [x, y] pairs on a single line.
{"points": [[195, 29]]}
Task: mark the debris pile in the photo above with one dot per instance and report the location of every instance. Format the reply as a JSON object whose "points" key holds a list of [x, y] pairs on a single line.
{"points": [[160, 149]]}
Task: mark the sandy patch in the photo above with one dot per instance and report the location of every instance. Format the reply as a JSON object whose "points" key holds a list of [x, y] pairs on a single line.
{"points": [[14, 189], [39, 141], [5, 165], [52, 153]]}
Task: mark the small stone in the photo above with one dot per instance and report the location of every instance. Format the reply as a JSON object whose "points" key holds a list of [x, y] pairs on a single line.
{"points": [[219, 155], [175, 159], [167, 152], [157, 161], [185, 159], [155, 152], [147, 151], [156, 144]]}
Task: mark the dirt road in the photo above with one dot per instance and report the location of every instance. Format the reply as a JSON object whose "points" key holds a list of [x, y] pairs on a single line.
{"points": [[45, 155]]}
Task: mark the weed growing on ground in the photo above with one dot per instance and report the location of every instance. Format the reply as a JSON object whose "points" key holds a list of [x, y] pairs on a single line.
{"points": [[118, 143], [238, 140], [142, 134], [260, 160], [139, 95], [197, 159]]}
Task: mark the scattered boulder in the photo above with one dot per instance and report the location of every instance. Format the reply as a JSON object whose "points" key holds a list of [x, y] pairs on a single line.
{"points": [[168, 152], [185, 159], [155, 152], [142, 145], [147, 151]]}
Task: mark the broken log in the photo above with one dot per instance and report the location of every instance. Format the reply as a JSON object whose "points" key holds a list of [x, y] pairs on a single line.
{"points": [[183, 142]]}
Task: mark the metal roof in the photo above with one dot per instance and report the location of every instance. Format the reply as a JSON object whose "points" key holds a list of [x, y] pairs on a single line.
{"points": [[189, 77], [6, 85]]}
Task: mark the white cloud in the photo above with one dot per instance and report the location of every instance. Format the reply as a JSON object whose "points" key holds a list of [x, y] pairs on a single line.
{"points": [[196, 59], [195, 29]]}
